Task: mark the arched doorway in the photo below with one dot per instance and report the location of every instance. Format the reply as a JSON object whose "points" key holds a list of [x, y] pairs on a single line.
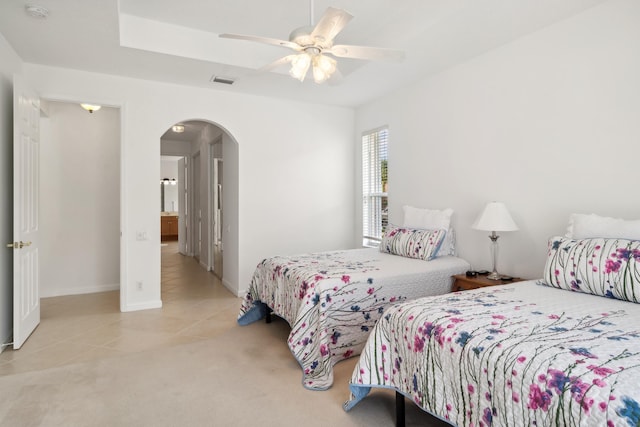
{"points": [[192, 153]]}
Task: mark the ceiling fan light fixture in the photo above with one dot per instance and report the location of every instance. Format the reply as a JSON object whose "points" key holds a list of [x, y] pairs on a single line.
{"points": [[300, 65], [319, 76], [323, 68]]}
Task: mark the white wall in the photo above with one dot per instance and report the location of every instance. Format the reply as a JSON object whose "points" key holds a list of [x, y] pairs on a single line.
{"points": [[175, 148], [548, 124], [230, 203], [10, 64], [292, 163], [79, 200]]}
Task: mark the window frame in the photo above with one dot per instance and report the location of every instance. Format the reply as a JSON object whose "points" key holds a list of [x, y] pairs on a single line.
{"points": [[374, 175]]}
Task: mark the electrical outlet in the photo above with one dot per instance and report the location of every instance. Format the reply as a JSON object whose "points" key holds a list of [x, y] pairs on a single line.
{"points": [[139, 285]]}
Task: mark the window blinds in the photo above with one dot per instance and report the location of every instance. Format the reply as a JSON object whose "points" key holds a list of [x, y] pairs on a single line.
{"points": [[374, 185]]}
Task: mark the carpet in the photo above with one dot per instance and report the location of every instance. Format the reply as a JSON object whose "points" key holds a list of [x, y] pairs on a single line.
{"points": [[244, 377]]}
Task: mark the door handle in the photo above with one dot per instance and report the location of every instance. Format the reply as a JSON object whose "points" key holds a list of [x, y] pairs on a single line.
{"points": [[18, 245]]}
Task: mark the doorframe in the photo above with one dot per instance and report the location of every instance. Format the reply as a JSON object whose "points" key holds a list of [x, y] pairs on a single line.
{"points": [[212, 224], [184, 213], [196, 220], [124, 270], [210, 205], [122, 107]]}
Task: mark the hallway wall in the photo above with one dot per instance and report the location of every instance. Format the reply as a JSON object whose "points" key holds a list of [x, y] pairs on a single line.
{"points": [[79, 200]]}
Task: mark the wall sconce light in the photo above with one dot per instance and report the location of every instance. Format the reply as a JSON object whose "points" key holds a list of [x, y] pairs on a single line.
{"points": [[167, 181], [90, 107], [178, 128]]}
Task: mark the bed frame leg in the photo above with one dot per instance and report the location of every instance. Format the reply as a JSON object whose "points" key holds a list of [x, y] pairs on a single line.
{"points": [[267, 318], [399, 409]]}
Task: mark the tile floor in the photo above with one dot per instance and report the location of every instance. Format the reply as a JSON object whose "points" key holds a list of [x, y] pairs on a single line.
{"points": [[79, 328]]}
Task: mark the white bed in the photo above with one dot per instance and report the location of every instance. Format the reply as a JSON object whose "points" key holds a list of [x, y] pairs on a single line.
{"points": [[333, 299], [520, 354], [563, 350]]}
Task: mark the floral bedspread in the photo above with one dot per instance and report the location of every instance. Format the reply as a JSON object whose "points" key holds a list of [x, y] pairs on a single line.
{"points": [[332, 300], [517, 355]]}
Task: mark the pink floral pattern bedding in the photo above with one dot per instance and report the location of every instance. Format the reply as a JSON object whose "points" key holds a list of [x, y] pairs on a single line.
{"points": [[331, 300], [522, 354]]}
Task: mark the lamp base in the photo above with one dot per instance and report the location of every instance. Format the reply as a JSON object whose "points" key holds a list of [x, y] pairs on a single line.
{"points": [[494, 256], [494, 276]]}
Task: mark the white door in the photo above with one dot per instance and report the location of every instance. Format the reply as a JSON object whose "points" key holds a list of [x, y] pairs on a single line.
{"points": [[217, 217], [197, 214], [26, 165], [182, 206]]}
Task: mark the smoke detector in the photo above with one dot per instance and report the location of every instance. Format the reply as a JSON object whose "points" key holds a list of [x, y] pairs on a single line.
{"points": [[36, 11]]}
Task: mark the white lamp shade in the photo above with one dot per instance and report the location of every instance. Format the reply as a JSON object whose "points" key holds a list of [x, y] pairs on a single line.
{"points": [[495, 217]]}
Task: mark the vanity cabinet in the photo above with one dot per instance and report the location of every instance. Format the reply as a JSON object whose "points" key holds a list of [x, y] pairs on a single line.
{"points": [[168, 228]]}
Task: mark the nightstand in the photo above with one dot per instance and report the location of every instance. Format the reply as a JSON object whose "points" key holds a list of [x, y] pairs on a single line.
{"points": [[461, 282]]}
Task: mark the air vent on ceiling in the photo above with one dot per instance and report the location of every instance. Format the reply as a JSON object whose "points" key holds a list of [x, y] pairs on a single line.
{"points": [[223, 80]]}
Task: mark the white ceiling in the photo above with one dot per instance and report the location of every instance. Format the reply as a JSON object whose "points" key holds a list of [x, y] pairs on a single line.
{"points": [[192, 130], [177, 41]]}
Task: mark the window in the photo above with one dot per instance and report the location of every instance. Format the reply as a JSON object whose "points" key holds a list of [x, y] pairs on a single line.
{"points": [[374, 186]]}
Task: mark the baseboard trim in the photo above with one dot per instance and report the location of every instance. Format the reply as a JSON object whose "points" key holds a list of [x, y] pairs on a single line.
{"points": [[142, 306], [232, 288], [47, 293], [7, 339]]}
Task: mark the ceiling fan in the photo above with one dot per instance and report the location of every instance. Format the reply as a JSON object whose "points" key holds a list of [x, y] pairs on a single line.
{"points": [[314, 44]]}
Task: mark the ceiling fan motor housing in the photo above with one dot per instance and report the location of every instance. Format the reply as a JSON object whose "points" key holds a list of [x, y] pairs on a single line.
{"points": [[302, 37]]}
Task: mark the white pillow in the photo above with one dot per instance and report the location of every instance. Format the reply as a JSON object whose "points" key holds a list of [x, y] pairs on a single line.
{"points": [[412, 242], [428, 219], [432, 219], [589, 226]]}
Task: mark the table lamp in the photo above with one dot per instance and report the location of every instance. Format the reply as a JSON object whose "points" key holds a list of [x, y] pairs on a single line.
{"points": [[494, 217]]}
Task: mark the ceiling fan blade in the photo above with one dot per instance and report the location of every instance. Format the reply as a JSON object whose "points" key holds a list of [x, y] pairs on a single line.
{"points": [[276, 42], [365, 52], [330, 24], [275, 64]]}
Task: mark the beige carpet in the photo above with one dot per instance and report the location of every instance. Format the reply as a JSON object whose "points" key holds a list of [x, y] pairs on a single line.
{"points": [[244, 377]]}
